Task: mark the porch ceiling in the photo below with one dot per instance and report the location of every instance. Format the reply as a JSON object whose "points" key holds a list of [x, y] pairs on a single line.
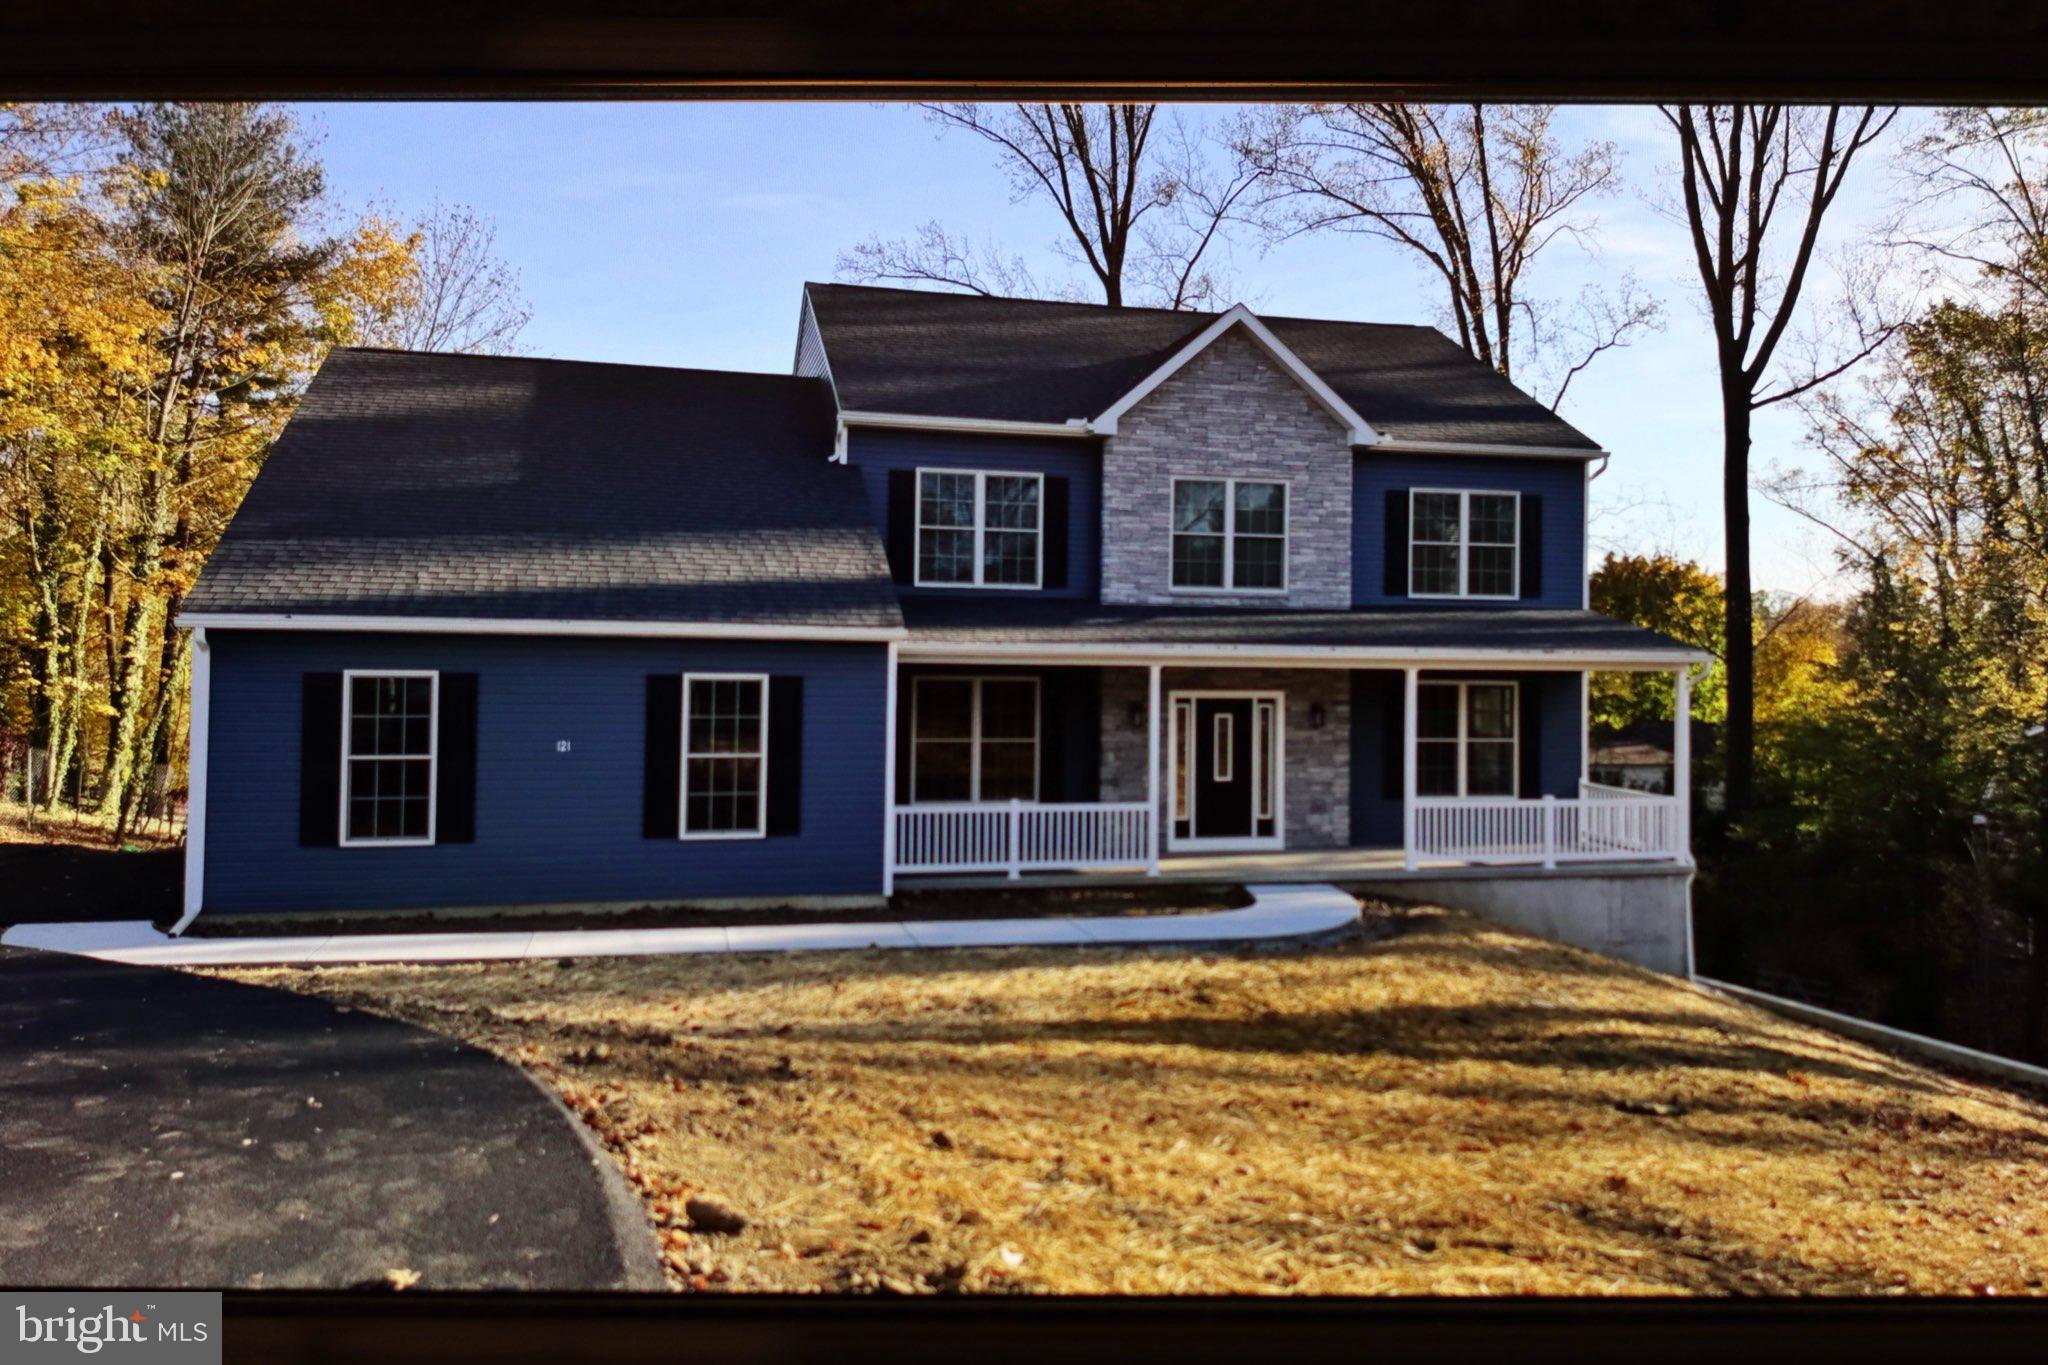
{"points": [[1084, 631]]}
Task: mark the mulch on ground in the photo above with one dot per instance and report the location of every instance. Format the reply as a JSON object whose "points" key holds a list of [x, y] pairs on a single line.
{"points": [[994, 903]]}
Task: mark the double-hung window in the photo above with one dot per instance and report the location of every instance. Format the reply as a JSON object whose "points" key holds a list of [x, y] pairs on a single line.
{"points": [[974, 739], [1464, 544], [977, 528], [725, 755], [1229, 535], [1466, 744], [388, 756]]}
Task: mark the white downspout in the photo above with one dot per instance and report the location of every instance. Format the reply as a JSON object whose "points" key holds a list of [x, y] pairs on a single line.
{"points": [[1681, 789], [196, 744]]}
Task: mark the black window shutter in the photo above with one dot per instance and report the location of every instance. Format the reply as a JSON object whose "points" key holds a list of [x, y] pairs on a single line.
{"points": [[1393, 694], [1532, 545], [1397, 542], [1529, 725], [1083, 707], [661, 796], [1052, 737], [1057, 499], [455, 746], [785, 754], [903, 525], [320, 760]]}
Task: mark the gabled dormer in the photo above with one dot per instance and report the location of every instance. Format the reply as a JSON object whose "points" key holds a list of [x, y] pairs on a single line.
{"points": [[1149, 457]]}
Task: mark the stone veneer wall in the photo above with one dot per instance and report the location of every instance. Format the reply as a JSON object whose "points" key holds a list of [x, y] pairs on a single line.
{"points": [[1229, 412], [1317, 781]]}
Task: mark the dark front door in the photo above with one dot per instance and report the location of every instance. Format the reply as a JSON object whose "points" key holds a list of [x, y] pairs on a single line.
{"points": [[1223, 768]]}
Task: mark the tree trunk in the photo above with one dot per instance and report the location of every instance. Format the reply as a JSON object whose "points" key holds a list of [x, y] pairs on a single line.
{"points": [[1739, 735], [126, 689]]}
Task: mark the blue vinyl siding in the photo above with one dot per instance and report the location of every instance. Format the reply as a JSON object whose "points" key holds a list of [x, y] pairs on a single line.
{"points": [[875, 452], [551, 827], [1560, 483], [1375, 709]]}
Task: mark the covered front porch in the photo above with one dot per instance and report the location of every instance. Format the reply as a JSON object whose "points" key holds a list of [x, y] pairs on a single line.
{"points": [[1274, 766]]}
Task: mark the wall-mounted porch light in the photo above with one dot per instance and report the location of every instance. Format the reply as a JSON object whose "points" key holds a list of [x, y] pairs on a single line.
{"points": [[1134, 715], [1316, 716]]}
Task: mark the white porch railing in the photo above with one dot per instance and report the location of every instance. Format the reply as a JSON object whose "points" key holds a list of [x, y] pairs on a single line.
{"points": [[1021, 836], [1605, 824]]}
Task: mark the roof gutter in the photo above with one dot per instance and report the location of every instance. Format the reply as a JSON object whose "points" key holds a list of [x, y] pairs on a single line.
{"points": [[1396, 445], [1304, 656], [477, 625], [987, 426], [1079, 428]]}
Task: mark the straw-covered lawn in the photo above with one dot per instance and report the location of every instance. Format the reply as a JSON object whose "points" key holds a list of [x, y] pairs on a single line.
{"points": [[1448, 1109]]}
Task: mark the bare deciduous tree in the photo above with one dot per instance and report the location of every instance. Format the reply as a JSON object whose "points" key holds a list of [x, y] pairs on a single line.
{"points": [[1758, 181], [1976, 196], [462, 296], [936, 256], [1145, 213], [39, 141], [1476, 193]]}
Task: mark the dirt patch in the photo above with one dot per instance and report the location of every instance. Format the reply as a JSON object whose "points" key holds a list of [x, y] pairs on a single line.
{"points": [[1004, 903], [1450, 1109]]}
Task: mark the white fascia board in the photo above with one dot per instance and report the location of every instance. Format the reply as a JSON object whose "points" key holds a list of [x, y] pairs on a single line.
{"points": [[807, 325], [984, 426], [1301, 656], [1359, 430], [476, 625], [1394, 445]]}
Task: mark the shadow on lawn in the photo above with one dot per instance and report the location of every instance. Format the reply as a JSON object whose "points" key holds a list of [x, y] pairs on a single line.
{"points": [[78, 882]]}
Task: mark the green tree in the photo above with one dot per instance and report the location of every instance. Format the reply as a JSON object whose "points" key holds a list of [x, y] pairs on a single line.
{"points": [[1676, 597]]}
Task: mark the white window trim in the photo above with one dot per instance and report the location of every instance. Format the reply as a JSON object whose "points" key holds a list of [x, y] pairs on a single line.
{"points": [[1464, 740], [683, 830], [1230, 483], [981, 478], [1464, 544], [1265, 731], [1181, 724], [433, 755], [973, 737]]}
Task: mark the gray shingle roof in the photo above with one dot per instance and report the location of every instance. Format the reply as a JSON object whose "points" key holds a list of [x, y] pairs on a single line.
{"points": [[1519, 632], [413, 484], [963, 355]]}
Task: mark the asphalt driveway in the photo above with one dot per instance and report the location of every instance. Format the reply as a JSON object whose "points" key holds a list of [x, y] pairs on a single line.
{"points": [[164, 1129]]}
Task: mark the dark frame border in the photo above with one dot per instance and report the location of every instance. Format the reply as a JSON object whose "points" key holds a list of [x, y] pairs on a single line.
{"points": [[1912, 51]]}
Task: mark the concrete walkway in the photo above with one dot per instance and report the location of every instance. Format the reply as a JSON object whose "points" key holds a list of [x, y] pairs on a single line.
{"points": [[1276, 912], [164, 1128]]}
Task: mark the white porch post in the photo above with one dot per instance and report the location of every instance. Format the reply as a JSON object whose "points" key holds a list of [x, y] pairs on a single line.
{"points": [[1152, 782], [1410, 677], [196, 743], [889, 779], [1681, 760]]}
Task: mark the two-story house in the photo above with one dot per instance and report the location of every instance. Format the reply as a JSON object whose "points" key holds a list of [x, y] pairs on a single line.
{"points": [[986, 588]]}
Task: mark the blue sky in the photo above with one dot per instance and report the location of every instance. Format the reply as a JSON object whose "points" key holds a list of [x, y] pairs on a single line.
{"points": [[680, 233]]}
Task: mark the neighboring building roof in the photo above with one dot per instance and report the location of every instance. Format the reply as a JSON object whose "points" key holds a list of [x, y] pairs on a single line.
{"points": [[924, 353], [1653, 740], [1513, 632], [453, 486]]}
